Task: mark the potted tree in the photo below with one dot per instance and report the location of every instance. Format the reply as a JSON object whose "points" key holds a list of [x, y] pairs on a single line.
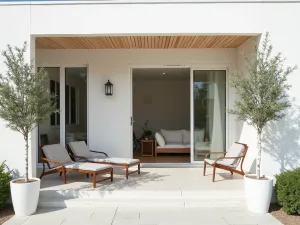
{"points": [[24, 103], [262, 98]]}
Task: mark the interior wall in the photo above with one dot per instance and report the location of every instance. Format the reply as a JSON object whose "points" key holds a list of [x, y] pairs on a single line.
{"points": [[164, 103]]}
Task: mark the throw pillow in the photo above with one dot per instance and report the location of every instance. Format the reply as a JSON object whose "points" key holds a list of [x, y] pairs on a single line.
{"points": [[160, 140]]}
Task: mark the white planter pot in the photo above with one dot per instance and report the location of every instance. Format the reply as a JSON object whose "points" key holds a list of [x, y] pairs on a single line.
{"points": [[25, 197], [258, 194]]}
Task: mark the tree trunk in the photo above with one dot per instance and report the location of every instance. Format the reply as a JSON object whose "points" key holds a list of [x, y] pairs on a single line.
{"points": [[258, 158], [26, 158]]}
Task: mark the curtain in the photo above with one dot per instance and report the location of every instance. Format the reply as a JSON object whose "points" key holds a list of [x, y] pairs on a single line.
{"points": [[216, 111]]}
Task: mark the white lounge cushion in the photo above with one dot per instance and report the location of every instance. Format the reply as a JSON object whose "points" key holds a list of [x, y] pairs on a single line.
{"points": [[115, 160], [173, 146], [56, 152], [199, 135], [222, 162], [87, 166], [186, 137], [235, 150], [172, 136], [80, 148], [160, 140]]}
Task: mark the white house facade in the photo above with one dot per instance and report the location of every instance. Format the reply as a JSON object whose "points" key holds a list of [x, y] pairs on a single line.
{"points": [[62, 35]]}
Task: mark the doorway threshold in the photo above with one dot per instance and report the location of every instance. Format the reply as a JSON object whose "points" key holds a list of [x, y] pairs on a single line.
{"points": [[171, 165]]}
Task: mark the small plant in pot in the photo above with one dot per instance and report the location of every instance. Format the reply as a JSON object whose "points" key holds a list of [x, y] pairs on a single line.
{"points": [[262, 98], [147, 133], [25, 102]]}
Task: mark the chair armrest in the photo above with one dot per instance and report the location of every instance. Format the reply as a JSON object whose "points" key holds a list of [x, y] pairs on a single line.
{"points": [[99, 152], [44, 160], [221, 158]]}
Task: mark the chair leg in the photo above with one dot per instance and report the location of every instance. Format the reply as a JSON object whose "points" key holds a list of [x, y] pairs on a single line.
{"points": [[204, 168], [64, 177], [87, 175], [111, 175], [94, 180], [127, 172], [60, 174], [231, 173], [214, 174], [139, 168]]}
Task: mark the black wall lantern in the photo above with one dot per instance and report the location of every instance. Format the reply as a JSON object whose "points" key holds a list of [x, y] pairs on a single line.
{"points": [[109, 88]]}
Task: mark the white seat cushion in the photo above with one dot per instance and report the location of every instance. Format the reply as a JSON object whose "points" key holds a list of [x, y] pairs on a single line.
{"points": [[87, 166], [80, 148], [172, 136], [115, 160], [173, 146], [186, 137], [235, 150], [211, 161], [160, 140], [56, 152]]}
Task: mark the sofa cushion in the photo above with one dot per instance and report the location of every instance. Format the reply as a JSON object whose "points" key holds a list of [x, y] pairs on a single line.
{"points": [[199, 135], [186, 137], [173, 145], [172, 136], [160, 140]]}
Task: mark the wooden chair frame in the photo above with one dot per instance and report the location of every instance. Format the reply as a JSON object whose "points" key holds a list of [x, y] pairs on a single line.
{"points": [[224, 167], [127, 166], [62, 171]]}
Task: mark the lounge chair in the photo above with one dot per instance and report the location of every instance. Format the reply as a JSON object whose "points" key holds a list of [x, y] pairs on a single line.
{"points": [[59, 161], [232, 161], [80, 151]]}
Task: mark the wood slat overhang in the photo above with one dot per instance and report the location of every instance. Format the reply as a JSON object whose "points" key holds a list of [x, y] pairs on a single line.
{"points": [[140, 42]]}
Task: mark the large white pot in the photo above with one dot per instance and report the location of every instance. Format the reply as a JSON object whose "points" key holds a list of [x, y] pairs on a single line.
{"points": [[258, 194], [25, 196]]}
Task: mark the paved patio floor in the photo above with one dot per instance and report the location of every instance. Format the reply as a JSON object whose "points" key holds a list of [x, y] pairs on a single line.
{"points": [[144, 216]]}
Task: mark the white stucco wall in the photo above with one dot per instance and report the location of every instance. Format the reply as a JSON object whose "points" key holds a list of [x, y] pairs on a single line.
{"points": [[109, 117], [15, 29], [120, 19]]}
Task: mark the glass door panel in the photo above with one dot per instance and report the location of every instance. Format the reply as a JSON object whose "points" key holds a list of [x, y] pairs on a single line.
{"points": [[209, 112], [75, 104], [49, 131]]}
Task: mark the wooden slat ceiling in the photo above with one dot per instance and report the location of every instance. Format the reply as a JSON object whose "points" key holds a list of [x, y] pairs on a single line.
{"points": [[140, 42]]}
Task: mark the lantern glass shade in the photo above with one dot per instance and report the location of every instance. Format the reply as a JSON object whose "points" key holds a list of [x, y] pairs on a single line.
{"points": [[109, 88]]}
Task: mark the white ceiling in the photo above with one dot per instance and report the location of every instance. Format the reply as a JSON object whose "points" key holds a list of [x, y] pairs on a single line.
{"points": [[161, 74]]}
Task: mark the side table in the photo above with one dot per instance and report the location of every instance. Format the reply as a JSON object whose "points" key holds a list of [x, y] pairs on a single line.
{"points": [[147, 147]]}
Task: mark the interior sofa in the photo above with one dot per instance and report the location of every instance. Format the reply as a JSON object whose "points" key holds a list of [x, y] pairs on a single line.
{"points": [[172, 141]]}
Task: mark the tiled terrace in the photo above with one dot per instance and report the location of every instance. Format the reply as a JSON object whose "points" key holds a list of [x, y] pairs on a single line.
{"points": [[176, 187]]}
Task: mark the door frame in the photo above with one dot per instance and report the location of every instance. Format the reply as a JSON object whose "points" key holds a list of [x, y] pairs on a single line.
{"points": [[205, 66]]}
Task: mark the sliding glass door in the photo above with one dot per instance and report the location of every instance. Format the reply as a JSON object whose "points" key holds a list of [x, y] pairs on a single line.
{"points": [[209, 112], [75, 104]]}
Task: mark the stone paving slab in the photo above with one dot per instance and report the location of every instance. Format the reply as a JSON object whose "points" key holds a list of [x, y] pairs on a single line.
{"points": [[144, 216]]}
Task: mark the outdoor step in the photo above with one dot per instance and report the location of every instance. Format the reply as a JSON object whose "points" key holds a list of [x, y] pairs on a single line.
{"points": [[141, 194], [141, 202]]}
